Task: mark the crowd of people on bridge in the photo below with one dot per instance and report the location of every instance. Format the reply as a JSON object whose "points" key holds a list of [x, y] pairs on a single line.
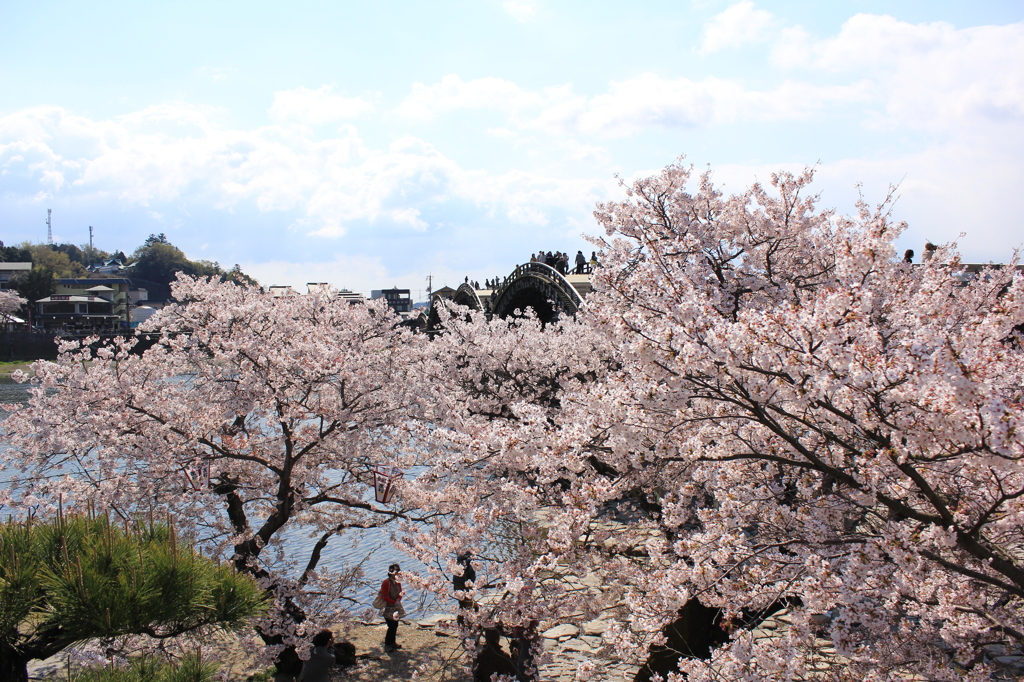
{"points": [[488, 283], [557, 260], [560, 261]]}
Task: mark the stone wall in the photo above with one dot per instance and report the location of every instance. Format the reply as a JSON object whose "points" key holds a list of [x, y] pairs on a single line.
{"points": [[26, 346]]}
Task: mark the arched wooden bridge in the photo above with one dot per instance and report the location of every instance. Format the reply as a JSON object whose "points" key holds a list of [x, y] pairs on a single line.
{"points": [[537, 286]]}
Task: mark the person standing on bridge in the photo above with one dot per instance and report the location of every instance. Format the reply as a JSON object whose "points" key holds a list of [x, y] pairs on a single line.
{"points": [[581, 262]]}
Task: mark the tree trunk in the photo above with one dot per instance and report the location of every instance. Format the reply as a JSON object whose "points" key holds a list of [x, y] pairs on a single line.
{"points": [[693, 634], [696, 632], [13, 665]]}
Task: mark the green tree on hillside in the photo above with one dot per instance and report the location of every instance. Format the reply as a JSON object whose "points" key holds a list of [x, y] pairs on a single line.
{"points": [[157, 262], [205, 268], [14, 254], [74, 254], [93, 256], [236, 275], [37, 283], [75, 578], [44, 255]]}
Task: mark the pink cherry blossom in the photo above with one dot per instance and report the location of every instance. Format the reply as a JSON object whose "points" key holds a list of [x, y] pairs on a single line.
{"points": [[250, 416], [760, 404]]}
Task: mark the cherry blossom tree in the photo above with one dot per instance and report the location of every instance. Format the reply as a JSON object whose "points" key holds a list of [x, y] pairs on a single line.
{"points": [[250, 420], [761, 407], [10, 302], [842, 426], [496, 389]]}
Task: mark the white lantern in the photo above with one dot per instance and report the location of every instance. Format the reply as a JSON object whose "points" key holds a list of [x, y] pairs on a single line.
{"points": [[384, 478], [197, 473]]}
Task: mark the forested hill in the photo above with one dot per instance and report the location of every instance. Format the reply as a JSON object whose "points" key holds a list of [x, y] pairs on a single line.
{"points": [[156, 263]]}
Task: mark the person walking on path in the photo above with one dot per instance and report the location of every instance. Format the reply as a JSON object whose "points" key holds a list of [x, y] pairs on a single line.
{"points": [[492, 658], [318, 667], [464, 583], [391, 595], [581, 262], [528, 646]]}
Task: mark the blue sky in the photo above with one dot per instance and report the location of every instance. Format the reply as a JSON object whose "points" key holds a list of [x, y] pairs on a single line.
{"points": [[371, 144]]}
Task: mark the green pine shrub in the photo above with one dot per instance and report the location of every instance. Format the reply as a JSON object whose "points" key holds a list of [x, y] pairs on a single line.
{"points": [[191, 668], [78, 577]]}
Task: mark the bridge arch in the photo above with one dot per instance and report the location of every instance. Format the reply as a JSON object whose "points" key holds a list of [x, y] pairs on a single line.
{"points": [[466, 295], [537, 286], [531, 285]]}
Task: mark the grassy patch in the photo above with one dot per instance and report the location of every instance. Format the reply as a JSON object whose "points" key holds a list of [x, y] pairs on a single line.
{"points": [[23, 365]]}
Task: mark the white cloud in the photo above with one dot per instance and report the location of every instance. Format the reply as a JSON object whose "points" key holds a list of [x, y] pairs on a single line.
{"points": [[453, 93], [890, 74], [356, 273], [926, 76], [521, 10], [579, 151], [792, 47], [649, 101], [175, 155], [870, 40], [216, 73], [316, 107], [628, 107], [740, 24]]}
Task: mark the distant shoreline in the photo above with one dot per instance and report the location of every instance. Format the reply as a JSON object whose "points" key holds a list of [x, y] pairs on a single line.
{"points": [[8, 368]]}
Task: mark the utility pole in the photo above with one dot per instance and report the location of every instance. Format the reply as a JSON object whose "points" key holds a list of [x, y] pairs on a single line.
{"points": [[430, 288], [49, 227]]}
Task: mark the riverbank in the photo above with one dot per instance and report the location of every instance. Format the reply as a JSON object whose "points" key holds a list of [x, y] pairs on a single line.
{"points": [[8, 368], [432, 649]]}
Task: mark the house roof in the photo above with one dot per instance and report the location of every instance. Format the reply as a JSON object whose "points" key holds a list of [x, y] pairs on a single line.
{"points": [[57, 298], [94, 281]]}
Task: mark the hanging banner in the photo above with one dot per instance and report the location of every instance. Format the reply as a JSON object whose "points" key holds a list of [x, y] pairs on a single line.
{"points": [[384, 478]]}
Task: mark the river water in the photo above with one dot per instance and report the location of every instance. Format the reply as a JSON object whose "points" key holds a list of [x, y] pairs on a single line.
{"points": [[371, 549]]}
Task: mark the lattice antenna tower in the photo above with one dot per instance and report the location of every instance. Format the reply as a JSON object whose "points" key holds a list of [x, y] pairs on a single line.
{"points": [[49, 227]]}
